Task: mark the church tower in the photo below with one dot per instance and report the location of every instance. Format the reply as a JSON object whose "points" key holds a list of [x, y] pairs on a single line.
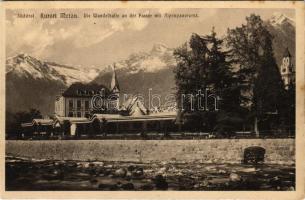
{"points": [[115, 90], [287, 69]]}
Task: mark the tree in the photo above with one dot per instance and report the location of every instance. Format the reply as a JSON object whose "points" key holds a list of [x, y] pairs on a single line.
{"points": [[220, 76], [14, 120], [262, 87], [290, 105], [205, 67], [190, 72], [224, 83]]}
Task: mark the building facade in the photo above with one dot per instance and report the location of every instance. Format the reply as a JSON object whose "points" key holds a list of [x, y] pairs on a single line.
{"points": [[287, 69], [81, 100]]}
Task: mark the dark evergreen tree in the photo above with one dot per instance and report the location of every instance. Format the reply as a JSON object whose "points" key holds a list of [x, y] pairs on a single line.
{"points": [[14, 120], [190, 77], [224, 84], [190, 73], [289, 119], [206, 67], [262, 87]]}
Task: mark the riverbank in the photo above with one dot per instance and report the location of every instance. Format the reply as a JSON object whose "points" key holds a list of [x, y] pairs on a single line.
{"points": [[47, 175]]}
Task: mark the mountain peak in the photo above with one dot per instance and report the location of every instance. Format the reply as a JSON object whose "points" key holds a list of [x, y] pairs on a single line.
{"points": [[22, 55], [279, 19], [159, 48], [24, 65]]}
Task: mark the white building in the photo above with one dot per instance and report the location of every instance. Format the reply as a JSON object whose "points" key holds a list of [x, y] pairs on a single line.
{"points": [[287, 69], [76, 101]]}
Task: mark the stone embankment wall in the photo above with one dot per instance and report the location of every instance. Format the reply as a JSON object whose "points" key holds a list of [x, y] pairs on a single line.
{"points": [[279, 151]]}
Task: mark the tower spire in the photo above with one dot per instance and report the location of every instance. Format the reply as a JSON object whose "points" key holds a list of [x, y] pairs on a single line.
{"points": [[115, 89], [114, 81], [287, 53]]}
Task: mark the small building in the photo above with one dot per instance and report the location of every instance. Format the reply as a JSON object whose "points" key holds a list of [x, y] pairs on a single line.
{"points": [[116, 124], [70, 125], [37, 127]]}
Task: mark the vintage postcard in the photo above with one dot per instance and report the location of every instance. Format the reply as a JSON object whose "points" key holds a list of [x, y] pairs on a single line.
{"points": [[152, 100]]}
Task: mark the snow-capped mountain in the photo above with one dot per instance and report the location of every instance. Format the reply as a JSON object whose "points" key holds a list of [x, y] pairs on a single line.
{"points": [[279, 19], [282, 28], [158, 58], [32, 83], [143, 71], [26, 66]]}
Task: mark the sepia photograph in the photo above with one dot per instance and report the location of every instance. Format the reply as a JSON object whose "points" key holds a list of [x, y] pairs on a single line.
{"points": [[150, 99]]}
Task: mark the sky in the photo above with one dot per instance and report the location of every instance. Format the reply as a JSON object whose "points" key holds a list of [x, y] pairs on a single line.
{"points": [[100, 42]]}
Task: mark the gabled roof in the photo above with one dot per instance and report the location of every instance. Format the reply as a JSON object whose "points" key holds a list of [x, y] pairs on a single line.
{"points": [[85, 90], [70, 119], [23, 125], [120, 118], [135, 107], [58, 121], [42, 122]]}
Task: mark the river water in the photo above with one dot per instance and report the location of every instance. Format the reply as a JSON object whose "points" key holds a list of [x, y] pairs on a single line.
{"points": [[45, 175]]}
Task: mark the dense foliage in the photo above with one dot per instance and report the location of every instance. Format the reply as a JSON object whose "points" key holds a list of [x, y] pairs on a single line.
{"points": [[14, 120], [242, 73]]}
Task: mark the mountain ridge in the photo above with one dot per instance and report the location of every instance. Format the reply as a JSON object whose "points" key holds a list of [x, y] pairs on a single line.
{"points": [[23, 65]]}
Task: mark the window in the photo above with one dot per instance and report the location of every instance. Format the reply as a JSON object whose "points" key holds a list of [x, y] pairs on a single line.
{"points": [[87, 114], [87, 104], [284, 70], [70, 104], [70, 114], [79, 114], [79, 104], [290, 69], [286, 61]]}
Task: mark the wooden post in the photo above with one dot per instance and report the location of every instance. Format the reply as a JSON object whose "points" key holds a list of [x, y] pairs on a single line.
{"points": [[162, 126], [101, 127], [256, 127], [144, 126], [130, 126], [104, 124], [117, 127], [179, 127]]}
